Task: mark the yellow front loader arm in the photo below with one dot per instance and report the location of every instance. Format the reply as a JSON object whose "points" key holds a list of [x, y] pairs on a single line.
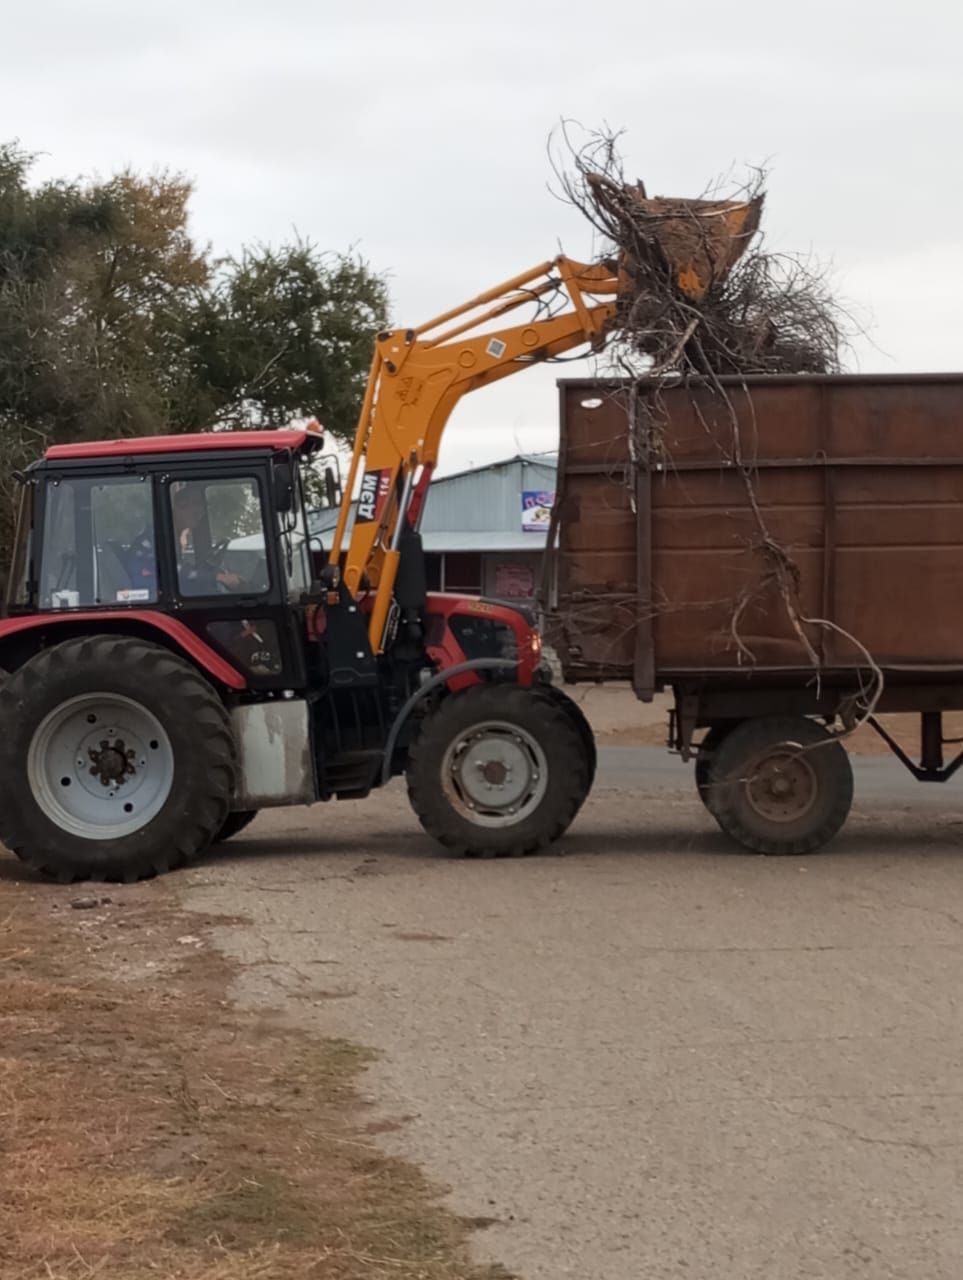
{"points": [[419, 375]]}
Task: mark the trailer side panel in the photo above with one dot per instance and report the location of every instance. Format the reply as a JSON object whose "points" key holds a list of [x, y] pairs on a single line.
{"points": [[675, 509]]}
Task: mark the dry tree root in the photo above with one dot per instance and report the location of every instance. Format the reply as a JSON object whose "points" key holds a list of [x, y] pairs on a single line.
{"points": [[702, 294]]}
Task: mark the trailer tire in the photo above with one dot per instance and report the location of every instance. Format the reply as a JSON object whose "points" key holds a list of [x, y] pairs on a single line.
{"points": [[497, 771], [234, 824], [780, 785], [704, 761], [148, 796]]}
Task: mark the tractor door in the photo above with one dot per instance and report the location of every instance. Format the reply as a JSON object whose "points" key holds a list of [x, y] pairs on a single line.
{"points": [[228, 573]]}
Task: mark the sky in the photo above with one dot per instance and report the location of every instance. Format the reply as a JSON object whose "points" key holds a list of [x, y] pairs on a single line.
{"points": [[416, 135]]}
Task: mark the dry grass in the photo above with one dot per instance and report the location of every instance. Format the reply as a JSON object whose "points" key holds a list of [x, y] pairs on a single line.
{"points": [[149, 1130]]}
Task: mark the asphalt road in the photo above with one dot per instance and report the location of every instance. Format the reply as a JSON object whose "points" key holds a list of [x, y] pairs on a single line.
{"points": [[644, 1056]]}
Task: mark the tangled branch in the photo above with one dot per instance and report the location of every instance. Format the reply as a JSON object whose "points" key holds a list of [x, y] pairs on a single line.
{"points": [[702, 299], [754, 311]]}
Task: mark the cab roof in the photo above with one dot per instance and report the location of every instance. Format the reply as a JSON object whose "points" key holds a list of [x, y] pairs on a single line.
{"points": [[295, 438]]}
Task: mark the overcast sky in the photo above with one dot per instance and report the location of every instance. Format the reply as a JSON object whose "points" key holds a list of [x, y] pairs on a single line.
{"points": [[417, 133]]}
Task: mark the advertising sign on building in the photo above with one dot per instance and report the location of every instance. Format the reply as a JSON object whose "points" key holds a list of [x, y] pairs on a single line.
{"points": [[536, 510], [514, 581]]}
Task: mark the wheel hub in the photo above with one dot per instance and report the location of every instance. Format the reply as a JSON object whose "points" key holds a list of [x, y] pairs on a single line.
{"points": [[495, 774], [100, 766], [112, 762], [782, 787]]}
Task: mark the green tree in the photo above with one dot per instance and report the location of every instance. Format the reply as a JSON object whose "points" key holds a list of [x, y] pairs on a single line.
{"points": [[288, 333], [115, 322], [96, 281]]}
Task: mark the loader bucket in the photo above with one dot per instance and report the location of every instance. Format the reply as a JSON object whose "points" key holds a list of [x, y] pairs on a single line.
{"points": [[697, 242], [701, 240]]}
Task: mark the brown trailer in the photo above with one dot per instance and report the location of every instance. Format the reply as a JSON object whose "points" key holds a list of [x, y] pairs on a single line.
{"points": [[767, 549]]}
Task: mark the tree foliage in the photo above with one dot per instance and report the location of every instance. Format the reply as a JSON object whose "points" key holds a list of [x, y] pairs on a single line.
{"points": [[114, 321], [288, 331]]}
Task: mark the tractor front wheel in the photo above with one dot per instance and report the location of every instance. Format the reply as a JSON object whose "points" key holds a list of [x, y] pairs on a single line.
{"points": [[498, 771], [117, 760], [579, 720]]}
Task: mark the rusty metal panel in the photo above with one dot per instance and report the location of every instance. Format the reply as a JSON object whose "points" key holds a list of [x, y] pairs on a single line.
{"points": [[661, 559]]}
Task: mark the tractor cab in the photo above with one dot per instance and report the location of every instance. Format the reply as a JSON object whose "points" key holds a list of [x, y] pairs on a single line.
{"points": [[208, 529]]}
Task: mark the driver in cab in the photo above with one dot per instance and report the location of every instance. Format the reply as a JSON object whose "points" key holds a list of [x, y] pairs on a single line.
{"points": [[200, 570]]}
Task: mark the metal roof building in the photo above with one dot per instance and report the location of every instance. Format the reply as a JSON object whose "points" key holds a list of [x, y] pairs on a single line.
{"points": [[484, 529]]}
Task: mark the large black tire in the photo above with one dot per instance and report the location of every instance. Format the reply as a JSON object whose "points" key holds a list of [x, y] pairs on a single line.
{"points": [[780, 785], [577, 717], [234, 824], [704, 761], [182, 784], [498, 745]]}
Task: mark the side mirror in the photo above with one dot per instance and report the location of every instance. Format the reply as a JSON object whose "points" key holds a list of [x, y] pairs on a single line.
{"points": [[283, 486]]}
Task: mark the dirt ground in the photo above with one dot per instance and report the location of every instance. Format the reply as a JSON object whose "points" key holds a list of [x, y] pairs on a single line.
{"points": [[149, 1129], [644, 1054], [619, 719], [640, 1055]]}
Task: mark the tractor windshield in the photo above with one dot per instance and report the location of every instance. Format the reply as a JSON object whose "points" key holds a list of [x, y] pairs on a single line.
{"points": [[98, 543]]}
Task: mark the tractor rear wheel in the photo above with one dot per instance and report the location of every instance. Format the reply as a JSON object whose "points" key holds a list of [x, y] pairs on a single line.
{"points": [[117, 760], [498, 771], [234, 824]]}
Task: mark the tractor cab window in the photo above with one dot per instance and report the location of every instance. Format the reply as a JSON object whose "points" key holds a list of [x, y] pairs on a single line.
{"points": [[219, 543], [98, 543]]}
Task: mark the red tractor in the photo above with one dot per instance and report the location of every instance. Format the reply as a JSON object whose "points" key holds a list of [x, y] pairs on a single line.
{"points": [[179, 654]]}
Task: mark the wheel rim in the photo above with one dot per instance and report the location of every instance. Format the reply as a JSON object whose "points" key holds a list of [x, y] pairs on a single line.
{"points": [[495, 774], [782, 786], [100, 766]]}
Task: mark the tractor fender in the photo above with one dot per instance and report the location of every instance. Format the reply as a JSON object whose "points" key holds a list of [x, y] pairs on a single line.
{"points": [[185, 640]]}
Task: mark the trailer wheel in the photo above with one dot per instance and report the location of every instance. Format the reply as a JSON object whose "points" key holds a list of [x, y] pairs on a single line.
{"points": [[578, 718], [117, 760], [780, 785], [234, 824], [497, 771], [704, 760]]}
